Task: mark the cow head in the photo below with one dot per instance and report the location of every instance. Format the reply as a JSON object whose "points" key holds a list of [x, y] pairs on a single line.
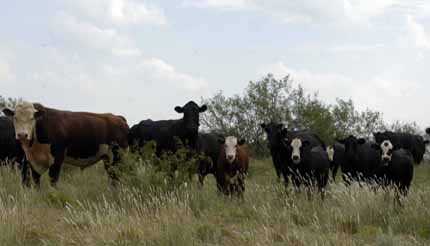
{"points": [[24, 120], [351, 145], [297, 147], [330, 153], [385, 149], [230, 147], [191, 117], [276, 134]]}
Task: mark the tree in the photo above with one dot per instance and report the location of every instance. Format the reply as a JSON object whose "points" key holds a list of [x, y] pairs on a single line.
{"points": [[7, 102], [279, 100]]}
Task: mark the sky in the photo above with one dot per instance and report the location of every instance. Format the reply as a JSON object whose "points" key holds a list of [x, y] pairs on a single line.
{"points": [[141, 58]]}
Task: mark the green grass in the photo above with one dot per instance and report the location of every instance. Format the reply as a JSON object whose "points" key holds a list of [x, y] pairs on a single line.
{"points": [[84, 210]]}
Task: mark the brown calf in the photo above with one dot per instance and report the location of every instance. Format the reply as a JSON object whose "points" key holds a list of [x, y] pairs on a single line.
{"points": [[232, 166]]}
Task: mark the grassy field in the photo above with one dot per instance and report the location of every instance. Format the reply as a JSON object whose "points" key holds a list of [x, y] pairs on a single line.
{"points": [[85, 211]]}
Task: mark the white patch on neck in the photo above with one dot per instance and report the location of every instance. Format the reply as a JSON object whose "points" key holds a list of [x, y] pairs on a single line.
{"points": [[330, 153], [296, 144], [386, 146]]}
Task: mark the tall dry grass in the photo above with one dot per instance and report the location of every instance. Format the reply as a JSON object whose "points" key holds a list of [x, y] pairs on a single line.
{"points": [[84, 210]]}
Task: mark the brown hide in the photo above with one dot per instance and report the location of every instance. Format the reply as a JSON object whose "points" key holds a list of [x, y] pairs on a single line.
{"points": [[80, 133], [231, 176]]}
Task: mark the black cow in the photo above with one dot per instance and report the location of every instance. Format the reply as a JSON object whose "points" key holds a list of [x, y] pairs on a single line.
{"points": [[336, 156], [361, 160], [396, 166], [208, 146], [166, 133], [309, 163], [276, 134], [10, 148], [414, 143]]}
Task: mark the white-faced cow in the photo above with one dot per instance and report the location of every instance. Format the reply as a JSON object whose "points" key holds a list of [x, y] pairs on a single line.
{"points": [[166, 133], [414, 143], [336, 156], [396, 166], [50, 137], [310, 164], [232, 166]]}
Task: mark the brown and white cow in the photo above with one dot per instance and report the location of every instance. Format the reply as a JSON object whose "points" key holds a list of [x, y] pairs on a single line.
{"points": [[233, 163], [50, 137]]}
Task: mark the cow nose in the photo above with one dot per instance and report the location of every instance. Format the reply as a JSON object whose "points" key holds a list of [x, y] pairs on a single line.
{"points": [[230, 157], [295, 157], [22, 135], [385, 159]]}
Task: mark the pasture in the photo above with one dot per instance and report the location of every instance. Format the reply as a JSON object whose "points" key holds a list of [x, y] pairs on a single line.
{"points": [[84, 210]]}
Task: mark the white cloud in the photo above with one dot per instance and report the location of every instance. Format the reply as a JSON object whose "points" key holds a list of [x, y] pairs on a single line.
{"points": [[393, 97], [127, 11], [316, 11], [416, 33], [90, 35], [6, 71], [120, 11], [222, 4]]}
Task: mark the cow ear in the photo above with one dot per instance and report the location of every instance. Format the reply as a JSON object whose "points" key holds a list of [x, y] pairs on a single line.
{"points": [[263, 125], [38, 115], [203, 108], [361, 141], [221, 140], [284, 132], [375, 146], [179, 109], [306, 143], [241, 142], [8, 112]]}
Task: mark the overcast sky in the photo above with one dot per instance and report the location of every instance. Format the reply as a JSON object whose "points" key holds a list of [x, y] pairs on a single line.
{"points": [[141, 58]]}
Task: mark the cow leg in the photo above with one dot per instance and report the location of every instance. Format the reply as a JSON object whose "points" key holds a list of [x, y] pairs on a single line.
{"points": [[25, 179], [36, 178], [110, 166], [201, 180], [334, 171], [55, 169]]}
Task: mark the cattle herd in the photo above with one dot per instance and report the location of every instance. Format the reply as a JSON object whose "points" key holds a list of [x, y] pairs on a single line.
{"points": [[41, 139]]}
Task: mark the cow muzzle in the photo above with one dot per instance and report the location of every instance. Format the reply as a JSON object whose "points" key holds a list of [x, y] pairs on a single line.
{"points": [[296, 159], [386, 160], [22, 136], [230, 158]]}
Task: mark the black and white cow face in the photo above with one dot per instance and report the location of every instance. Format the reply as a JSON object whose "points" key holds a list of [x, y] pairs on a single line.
{"points": [[24, 120], [191, 117], [297, 146], [387, 152], [330, 153]]}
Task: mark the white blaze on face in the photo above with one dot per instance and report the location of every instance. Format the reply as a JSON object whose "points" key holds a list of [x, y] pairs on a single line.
{"points": [[230, 148], [387, 148], [330, 153], [296, 144], [24, 120]]}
